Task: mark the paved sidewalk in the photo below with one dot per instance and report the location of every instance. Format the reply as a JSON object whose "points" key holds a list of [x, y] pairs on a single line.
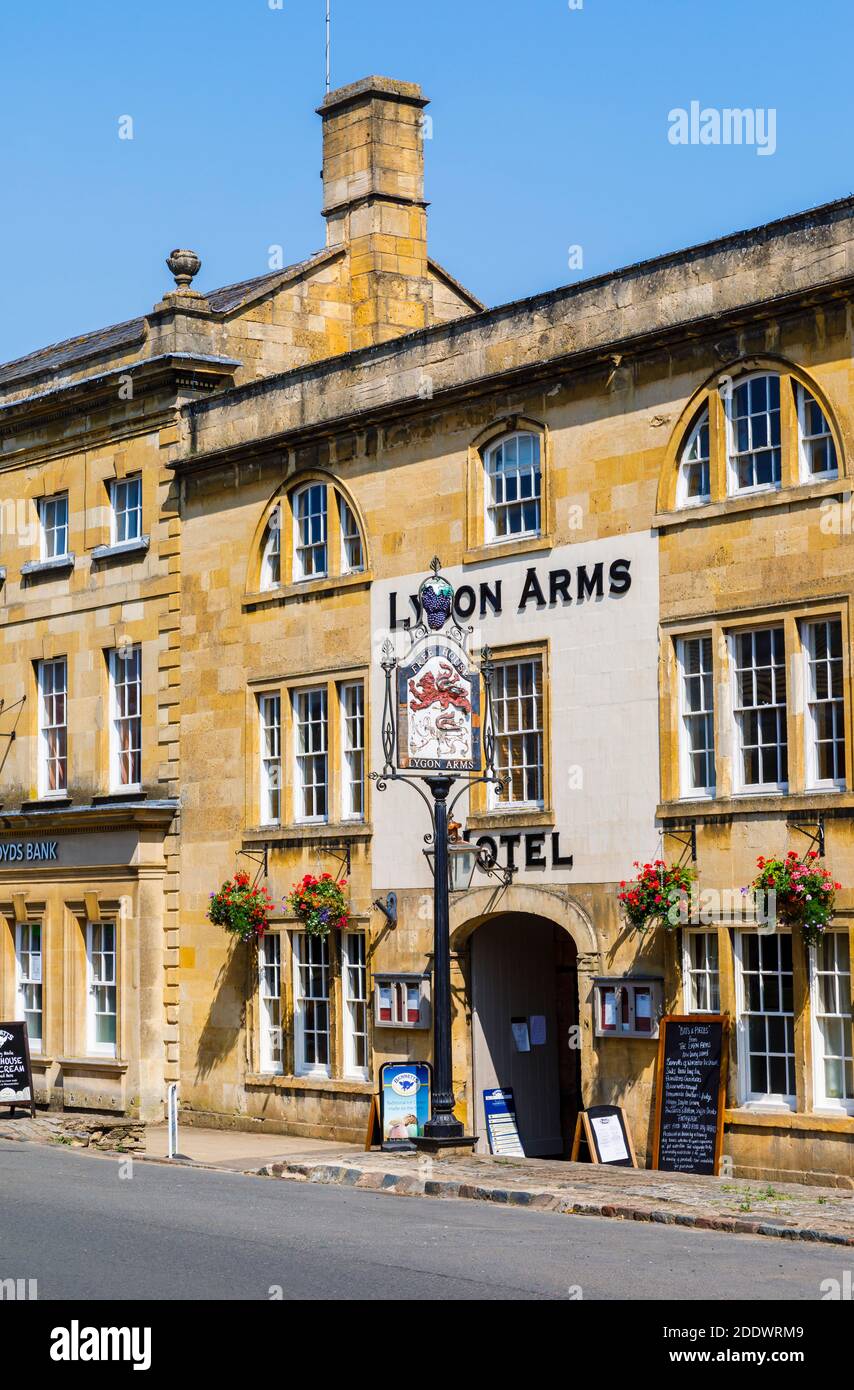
{"points": [[242, 1150], [790, 1210]]}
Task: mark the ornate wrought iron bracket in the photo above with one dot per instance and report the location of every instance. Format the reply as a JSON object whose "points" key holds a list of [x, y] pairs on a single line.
{"points": [[813, 829], [687, 837], [338, 849], [259, 858]]}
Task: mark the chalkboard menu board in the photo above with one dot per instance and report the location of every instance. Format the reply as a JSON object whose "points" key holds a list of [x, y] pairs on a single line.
{"points": [[690, 1093], [16, 1074]]}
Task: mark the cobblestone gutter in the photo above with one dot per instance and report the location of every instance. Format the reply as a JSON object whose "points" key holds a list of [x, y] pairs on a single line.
{"points": [[787, 1210]]}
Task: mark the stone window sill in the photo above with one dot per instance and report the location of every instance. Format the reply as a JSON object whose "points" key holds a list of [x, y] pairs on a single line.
{"points": [[748, 502], [791, 1119], [58, 564], [340, 1085], [138, 546], [497, 550], [511, 820], [291, 836], [103, 1064], [725, 807], [307, 588]]}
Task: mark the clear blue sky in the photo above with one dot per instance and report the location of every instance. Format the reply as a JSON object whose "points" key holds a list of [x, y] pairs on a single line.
{"points": [[550, 128]]}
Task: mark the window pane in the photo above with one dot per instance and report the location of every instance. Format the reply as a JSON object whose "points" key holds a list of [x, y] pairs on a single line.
{"points": [[513, 487], [518, 716], [766, 978]]}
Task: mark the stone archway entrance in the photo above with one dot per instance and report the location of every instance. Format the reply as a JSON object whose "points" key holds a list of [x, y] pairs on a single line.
{"points": [[524, 971]]}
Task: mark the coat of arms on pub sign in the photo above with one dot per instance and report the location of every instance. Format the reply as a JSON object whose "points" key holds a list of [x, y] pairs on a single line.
{"points": [[438, 694]]}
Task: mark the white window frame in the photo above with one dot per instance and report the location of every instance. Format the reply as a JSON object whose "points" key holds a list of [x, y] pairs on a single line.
{"points": [[305, 757], [29, 977], [494, 505], [320, 946], [271, 558], [503, 802], [122, 688], [702, 461], [757, 1100], [808, 638], [686, 753], [270, 761], [107, 979], [303, 548], [806, 473], [732, 453], [270, 1006], [352, 545], [836, 1105], [354, 968], [742, 787], [709, 972], [47, 725], [353, 750], [120, 489], [50, 528]]}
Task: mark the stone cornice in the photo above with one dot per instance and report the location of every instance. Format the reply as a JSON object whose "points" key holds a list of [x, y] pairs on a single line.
{"points": [[172, 371], [705, 292], [110, 815]]}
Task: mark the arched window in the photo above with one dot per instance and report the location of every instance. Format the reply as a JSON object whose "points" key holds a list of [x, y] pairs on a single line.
{"points": [[312, 533], [694, 481], [816, 448], [271, 554], [753, 433], [513, 487]]}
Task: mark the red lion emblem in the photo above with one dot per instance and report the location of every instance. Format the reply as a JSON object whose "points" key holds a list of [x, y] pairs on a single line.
{"points": [[446, 691]]}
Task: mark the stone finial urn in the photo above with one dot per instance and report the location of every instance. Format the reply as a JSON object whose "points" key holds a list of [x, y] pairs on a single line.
{"points": [[184, 265]]}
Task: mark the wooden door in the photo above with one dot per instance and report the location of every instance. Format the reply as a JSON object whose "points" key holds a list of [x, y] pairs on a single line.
{"points": [[513, 976]]}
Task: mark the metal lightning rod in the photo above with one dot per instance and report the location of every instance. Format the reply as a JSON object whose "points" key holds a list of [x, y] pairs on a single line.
{"points": [[328, 42]]}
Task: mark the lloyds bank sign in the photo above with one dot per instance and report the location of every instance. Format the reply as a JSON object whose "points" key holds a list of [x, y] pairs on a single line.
{"points": [[28, 851]]}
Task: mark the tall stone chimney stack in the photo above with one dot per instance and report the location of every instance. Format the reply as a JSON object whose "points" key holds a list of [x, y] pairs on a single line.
{"points": [[373, 202]]}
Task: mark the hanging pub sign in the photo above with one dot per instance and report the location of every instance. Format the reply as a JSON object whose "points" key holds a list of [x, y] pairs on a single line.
{"points": [[439, 712], [438, 693], [690, 1093], [16, 1073]]}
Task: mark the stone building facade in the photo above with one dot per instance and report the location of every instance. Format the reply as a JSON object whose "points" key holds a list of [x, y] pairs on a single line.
{"points": [[639, 487]]}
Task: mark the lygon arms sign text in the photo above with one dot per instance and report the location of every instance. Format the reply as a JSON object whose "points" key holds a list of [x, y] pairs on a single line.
{"points": [[558, 586]]}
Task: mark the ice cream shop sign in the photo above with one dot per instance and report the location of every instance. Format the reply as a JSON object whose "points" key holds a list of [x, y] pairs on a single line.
{"points": [[28, 851]]}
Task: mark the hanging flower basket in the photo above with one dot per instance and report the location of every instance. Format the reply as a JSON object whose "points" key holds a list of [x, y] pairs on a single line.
{"points": [[652, 898], [804, 889], [319, 903], [240, 908]]}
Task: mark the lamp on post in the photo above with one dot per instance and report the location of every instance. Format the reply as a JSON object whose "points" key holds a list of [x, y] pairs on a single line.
{"points": [[437, 731]]}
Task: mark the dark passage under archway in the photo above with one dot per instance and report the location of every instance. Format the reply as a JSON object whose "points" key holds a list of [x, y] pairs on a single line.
{"points": [[525, 968]]}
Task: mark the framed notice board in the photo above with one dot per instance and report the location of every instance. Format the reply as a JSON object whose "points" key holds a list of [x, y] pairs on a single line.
{"points": [[605, 1131], [499, 1110], [16, 1073], [690, 1093]]}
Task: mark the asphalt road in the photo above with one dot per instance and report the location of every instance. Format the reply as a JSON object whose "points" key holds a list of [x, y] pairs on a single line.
{"points": [[69, 1221]]}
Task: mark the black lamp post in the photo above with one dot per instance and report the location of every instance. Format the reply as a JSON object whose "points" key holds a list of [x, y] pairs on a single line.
{"points": [[438, 673]]}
